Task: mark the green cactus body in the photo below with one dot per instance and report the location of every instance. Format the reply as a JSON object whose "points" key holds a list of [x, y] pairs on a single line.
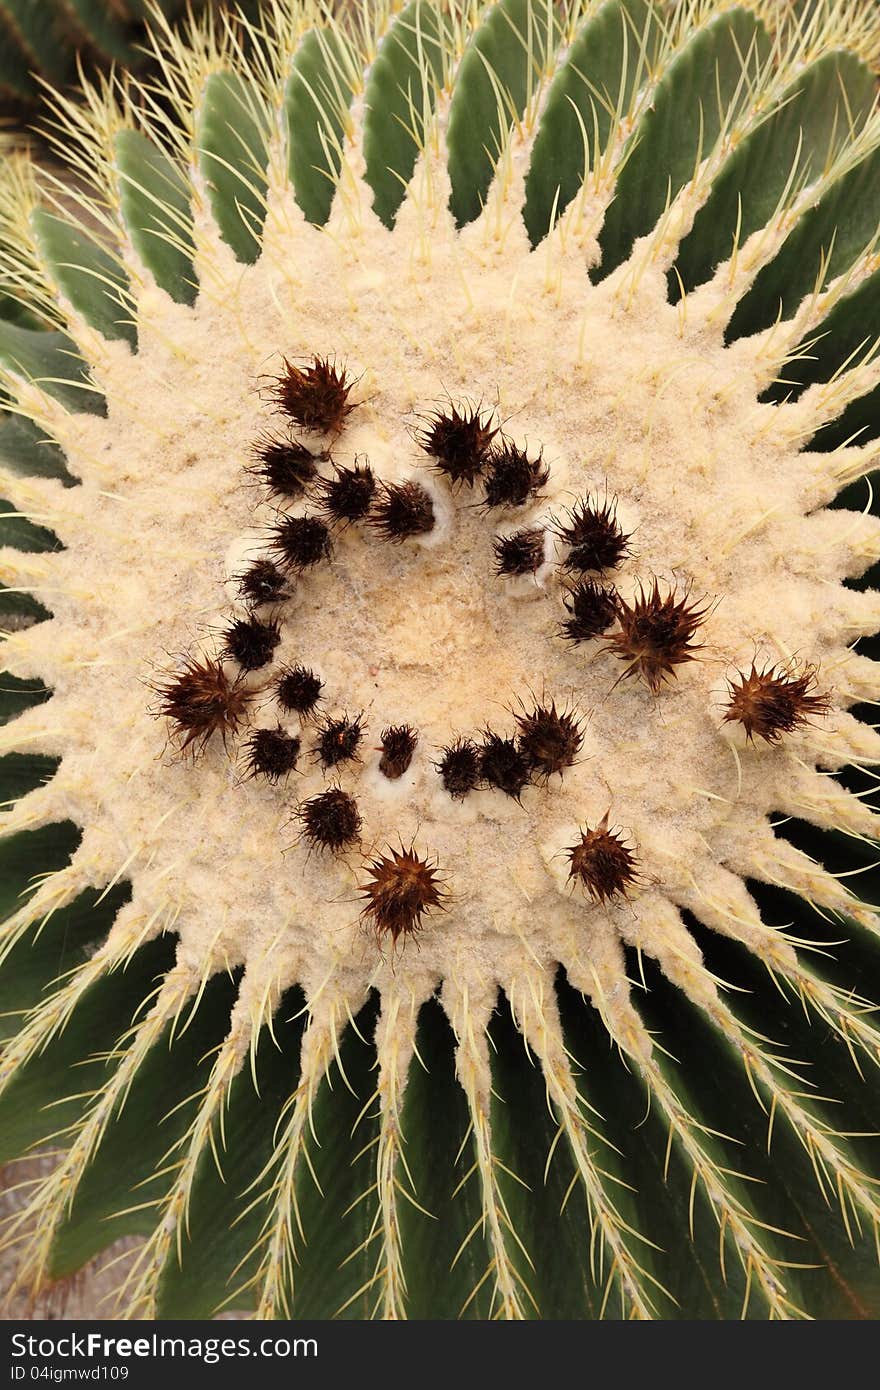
{"points": [[520, 359]]}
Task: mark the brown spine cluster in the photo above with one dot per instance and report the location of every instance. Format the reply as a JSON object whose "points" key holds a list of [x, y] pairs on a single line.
{"points": [[774, 701], [271, 753], [550, 739], [314, 396], [402, 510], [284, 466], [656, 633], [591, 611], [459, 767], [348, 496], [300, 542], [331, 820], [602, 862], [400, 887], [200, 701], [251, 643], [398, 746], [520, 553], [512, 478], [262, 583], [459, 441], [297, 689], [503, 764], [593, 534], [339, 739]]}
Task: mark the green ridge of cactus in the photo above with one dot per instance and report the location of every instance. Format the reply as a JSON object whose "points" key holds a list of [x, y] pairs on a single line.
{"points": [[511, 368]]}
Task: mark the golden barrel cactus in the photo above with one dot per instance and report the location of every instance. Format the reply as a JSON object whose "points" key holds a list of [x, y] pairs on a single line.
{"points": [[439, 829]]}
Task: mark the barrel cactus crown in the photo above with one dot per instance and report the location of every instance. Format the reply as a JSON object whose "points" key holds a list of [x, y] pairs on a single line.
{"points": [[438, 742]]}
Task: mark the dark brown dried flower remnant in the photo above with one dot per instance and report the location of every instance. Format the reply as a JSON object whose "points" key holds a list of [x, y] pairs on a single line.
{"points": [[520, 553], [656, 633], [339, 739], [459, 767], [550, 738], [398, 745], [300, 541], [298, 689], [403, 510], [594, 536], [775, 701], [513, 478], [284, 465], [271, 753], [400, 888], [503, 764], [348, 496], [200, 700], [315, 396], [459, 441], [591, 610], [331, 819], [602, 862], [263, 582], [251, 643]]}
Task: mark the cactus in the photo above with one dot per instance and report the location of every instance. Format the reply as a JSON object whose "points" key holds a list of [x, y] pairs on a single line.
{"points": [[439, 817]]}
